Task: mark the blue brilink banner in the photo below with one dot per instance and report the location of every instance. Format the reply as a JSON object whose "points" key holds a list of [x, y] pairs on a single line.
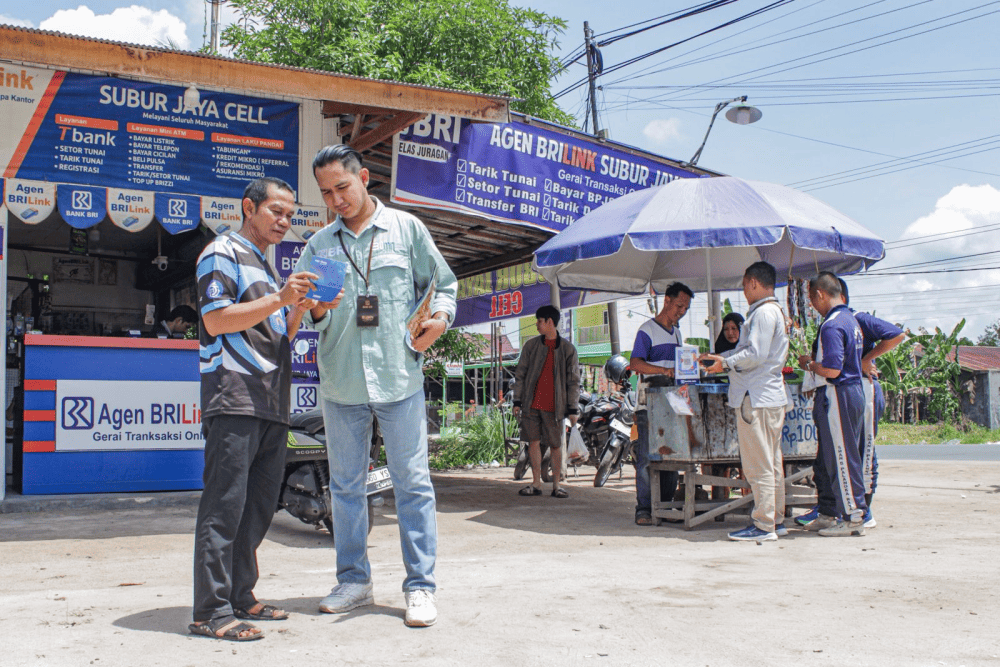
{"points": [[514, 172]]}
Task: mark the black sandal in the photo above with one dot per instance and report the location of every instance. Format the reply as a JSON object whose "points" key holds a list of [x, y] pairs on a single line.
{"points": [[268, 612], [530, 491], [643, 518], [231, 627], [559, 493]]}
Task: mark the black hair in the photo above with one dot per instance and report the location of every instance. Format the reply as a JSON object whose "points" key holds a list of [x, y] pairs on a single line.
{"points": [[186, 313], [763, 273], [676, 288], [257, 190], [348, 158], [826, 282], [843, 291], [548, 313]]}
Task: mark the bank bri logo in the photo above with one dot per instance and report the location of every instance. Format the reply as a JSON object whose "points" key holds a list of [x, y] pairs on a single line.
{"points": [[307, 396], [77, 413]]}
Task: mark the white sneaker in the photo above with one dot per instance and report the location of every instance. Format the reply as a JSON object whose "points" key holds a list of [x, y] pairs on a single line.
{"points": [[420, 609], [345, 597]]}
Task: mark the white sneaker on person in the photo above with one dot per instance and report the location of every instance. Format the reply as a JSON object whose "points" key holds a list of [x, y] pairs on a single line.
{"points": [[421, 610], [345, 597]]}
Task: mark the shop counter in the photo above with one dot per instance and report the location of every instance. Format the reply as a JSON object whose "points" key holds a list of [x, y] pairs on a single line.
{"points": [[110, 415], [693, 444]]}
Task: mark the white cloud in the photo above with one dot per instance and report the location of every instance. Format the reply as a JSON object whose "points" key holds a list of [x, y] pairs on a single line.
{"points": [[663, 130], [10, 20], [941, 299], [136, 25]]}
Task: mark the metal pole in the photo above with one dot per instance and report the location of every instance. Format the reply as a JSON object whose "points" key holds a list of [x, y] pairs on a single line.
{"points": [[588, 40], [616, 346], [708, 286], [215, 25]]}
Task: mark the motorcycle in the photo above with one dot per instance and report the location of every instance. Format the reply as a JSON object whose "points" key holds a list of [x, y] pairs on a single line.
{"points": [[305, 489], [606, 423]]}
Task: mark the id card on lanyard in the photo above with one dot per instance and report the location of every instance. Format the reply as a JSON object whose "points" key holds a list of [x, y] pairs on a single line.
{"points": [[367, 305]]}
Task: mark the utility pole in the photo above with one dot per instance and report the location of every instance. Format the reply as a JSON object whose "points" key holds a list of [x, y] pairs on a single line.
{"points": [[588, 40], [215, 25]]}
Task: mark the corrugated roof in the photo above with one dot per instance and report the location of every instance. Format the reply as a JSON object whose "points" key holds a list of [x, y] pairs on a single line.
{"points": [[977, 358], [210, 56]]}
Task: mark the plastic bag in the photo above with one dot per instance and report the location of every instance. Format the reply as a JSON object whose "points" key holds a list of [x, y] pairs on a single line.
{"points": [[575, 447]]}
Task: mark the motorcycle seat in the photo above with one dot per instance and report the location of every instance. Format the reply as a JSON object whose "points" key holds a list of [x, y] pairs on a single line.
{"points": [[310, 421]]}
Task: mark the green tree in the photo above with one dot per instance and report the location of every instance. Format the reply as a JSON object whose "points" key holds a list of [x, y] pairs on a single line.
{"points": [[991, 337], [485, 46], [904, 376]]}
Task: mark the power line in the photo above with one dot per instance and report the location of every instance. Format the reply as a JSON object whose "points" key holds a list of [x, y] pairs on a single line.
{"points": [[993, 138], [850, 44], [945, 236], [741, 49], [631, 61], [693, 11], [886, 173]]}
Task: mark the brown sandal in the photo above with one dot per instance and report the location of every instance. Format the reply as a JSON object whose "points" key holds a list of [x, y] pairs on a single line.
{"points": [[268, 612], [232, 629]]}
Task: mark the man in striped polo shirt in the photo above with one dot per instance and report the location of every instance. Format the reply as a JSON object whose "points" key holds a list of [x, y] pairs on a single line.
{"points": [[246, 324]]}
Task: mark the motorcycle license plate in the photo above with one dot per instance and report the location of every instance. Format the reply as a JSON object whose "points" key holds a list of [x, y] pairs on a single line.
{"points": [[378, 480], [621, 428]]}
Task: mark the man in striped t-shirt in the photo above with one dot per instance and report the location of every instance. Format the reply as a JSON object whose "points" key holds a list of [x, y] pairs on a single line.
{"points": [[246, 324], [653, 353]]}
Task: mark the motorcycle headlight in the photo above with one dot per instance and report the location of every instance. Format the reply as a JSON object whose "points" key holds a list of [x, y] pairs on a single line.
{"points": [[626, 413]]}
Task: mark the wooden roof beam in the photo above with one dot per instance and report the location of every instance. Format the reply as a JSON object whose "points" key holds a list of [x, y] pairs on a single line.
{"points": [[385, 130]]}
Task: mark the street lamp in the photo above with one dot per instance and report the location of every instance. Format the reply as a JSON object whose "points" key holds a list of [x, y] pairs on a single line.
{"points": [[743, 114]]}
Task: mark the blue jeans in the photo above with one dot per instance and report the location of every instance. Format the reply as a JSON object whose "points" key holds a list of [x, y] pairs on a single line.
{"points": [[668, 478], [348, 438]]}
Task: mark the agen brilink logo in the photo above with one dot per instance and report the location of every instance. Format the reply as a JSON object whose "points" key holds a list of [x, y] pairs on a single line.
{"points": [[77, 413]]}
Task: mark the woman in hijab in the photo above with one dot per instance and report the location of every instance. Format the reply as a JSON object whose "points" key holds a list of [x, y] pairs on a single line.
{"points": [[730, 336]]}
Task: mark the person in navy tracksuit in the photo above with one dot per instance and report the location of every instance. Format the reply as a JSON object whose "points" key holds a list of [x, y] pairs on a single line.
{"points": [[879, 337], [839, 407]]}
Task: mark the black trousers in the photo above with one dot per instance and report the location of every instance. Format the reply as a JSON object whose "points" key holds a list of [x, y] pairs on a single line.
{"points": [[244, 465]]}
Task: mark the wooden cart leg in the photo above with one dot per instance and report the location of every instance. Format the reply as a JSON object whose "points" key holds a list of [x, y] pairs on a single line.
{"points": [[689, 496]]}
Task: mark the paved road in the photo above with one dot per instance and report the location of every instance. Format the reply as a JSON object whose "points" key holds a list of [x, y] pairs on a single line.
{"points": [[943, 452]]}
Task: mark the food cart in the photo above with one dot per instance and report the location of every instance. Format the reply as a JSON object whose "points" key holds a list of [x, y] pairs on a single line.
{"points": [[688, 444]]}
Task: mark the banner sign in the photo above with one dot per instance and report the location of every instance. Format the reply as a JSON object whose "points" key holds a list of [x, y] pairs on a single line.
{"points": [[516, 291], [113, 132], [81, 206], [307, 221], [514, 172], [108, 415], [304, 355], [132, 210], [178, 213], [221, 214], [306, 343], [30, 201]]}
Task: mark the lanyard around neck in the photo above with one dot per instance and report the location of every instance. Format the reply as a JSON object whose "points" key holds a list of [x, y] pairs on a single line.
{"points": [[364, 276]]}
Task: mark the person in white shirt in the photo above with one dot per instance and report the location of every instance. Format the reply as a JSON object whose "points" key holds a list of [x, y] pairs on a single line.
{"points": [[757, 392]]}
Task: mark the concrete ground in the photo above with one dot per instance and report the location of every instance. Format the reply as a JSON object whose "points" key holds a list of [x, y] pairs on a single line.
{"points": [[533, 581]]}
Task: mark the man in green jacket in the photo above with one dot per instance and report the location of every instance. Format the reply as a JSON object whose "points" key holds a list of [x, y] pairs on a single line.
{"points": [[548, 385]]}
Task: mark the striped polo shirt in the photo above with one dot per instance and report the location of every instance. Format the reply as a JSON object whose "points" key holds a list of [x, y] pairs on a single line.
{"points": [[247, 372]]}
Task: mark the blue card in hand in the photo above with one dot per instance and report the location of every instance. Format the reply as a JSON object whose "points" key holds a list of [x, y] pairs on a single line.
{"points": [[330, 281]]}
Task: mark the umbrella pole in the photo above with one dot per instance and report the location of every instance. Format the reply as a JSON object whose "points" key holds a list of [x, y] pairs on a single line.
{"points": [[711, 305]]}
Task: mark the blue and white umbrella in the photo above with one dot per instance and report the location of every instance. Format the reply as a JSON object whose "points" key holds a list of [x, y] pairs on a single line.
{"points": [[704, 232]]}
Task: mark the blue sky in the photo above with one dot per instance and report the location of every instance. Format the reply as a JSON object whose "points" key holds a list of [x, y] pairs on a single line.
{"points": [[817, 102]]}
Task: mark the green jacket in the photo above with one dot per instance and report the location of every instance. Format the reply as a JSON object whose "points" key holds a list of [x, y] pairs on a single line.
{"points": [[566, 368]]}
